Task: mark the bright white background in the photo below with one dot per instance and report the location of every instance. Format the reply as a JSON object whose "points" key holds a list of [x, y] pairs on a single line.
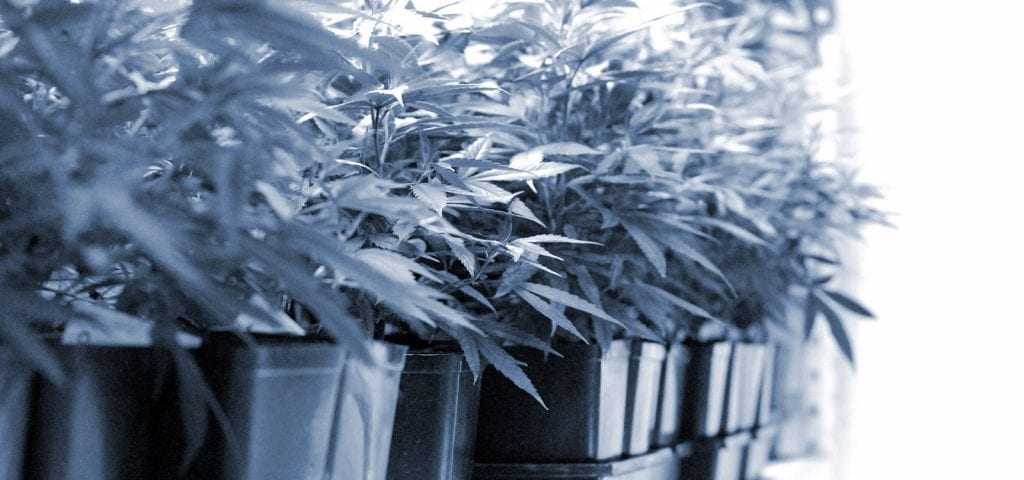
{"points": [[940, 103]]}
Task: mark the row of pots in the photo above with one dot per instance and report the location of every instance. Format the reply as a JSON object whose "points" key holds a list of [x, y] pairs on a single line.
{"points": [[687, 391], [740, 456], [295, 410], [301, 410]]}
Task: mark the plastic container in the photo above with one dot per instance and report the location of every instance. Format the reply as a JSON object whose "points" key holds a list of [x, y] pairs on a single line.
{"points": [[435, 421], [716, 458], [585, 392], [15, 386], [658, 465], [744, 392], [793, 415], [646, 360], [704, 394], [754, 385], [103, 423], [666, 429], [363, 423], [758, 452], [279, 395], [764, 409]]}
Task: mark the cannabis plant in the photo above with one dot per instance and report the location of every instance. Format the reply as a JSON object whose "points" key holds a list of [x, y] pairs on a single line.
{"points": [[150, 166], [758, 164], [694, 136], [565, 68], [454, 165]]}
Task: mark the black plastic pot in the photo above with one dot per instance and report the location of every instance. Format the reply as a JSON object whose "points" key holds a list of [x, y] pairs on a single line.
{"points": [[704, 394], [716, 458], [658, 465], [758, 452], [792, 413], [646, 360], [673, 375], [15, 385], [363, 421], [764, 409], [586, 397], [435, 421], [103, 423], [744, 392], [279, 396]]}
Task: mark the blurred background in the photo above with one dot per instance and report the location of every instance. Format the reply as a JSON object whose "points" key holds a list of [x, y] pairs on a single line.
{"points": [[937, 98]]}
